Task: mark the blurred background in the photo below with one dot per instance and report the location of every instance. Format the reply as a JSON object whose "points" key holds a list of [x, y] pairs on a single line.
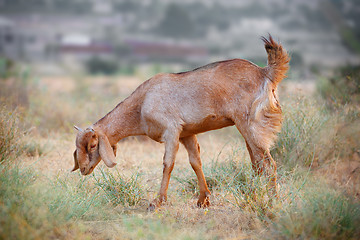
{"points": [[69, 62], [62, 37]]}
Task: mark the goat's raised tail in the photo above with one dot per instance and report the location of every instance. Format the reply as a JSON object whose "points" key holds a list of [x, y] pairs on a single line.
{"points": [[278, 60]]}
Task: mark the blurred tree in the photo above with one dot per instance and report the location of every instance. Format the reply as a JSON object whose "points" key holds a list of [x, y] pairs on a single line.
{"points": [[71, 6], [255, 10], [343, 88], [316, 20], [7, 68], [97, 65], [212, 16], [350, 35], [176, 23], [126, 6], [297, 60]]}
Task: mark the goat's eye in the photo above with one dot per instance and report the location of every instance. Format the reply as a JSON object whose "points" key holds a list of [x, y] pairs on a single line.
{"points": [[93, 146]]}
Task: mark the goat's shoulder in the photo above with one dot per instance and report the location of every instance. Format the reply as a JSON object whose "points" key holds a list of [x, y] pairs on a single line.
{"points": [[159, 77], [149, 84], [163, 81]]}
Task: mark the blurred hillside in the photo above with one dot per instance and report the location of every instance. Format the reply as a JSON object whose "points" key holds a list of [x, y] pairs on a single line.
{"points": [[61, 36]]}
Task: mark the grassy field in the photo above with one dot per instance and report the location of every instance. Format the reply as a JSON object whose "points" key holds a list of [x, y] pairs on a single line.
{"points": [[318, 153]]}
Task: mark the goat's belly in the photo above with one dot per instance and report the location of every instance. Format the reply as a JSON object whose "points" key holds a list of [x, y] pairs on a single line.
{"points": [[210, 123]]}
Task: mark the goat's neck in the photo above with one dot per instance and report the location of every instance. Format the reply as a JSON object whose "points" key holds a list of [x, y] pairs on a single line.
{"points": [[121, 122]]}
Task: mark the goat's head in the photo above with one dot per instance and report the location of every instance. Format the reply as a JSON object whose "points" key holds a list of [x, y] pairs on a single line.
{"points": [[91, 147]]}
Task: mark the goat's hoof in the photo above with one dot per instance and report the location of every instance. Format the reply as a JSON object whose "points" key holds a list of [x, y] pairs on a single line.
{"points": [[157, 202], [151, 207], [203, 202]]}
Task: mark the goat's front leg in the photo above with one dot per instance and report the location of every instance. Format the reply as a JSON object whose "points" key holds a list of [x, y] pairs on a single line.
{"points": [[192, 146], [171, 148]]}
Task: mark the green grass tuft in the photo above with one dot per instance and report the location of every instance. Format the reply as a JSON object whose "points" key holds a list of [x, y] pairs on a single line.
{"points": [[10, 144], [298, 141], [320, 213], [119, 189]]}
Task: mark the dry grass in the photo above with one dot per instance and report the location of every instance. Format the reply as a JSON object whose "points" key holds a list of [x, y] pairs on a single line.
{"points": [[40, 198]]}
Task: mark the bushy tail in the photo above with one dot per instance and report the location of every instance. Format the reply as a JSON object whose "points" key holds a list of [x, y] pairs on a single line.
{"points": [[278, 60]]}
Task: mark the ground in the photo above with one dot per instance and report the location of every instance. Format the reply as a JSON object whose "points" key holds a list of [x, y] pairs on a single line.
{"points": [[112, 203]]}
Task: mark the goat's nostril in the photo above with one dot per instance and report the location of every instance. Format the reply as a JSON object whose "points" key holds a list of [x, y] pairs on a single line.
{"points": [[83, 169]]}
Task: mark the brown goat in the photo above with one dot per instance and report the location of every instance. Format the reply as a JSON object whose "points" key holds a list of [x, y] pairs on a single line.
{"points": [[172, 108]]}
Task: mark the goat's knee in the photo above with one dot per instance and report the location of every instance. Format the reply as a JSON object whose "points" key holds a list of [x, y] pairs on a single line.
{"points": [[195, 163], [262, 162], [265, 164], [168, 166], [268, 164]]}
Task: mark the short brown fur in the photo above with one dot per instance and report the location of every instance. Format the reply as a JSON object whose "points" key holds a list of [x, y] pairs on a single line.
{"points": [[173, 108]]}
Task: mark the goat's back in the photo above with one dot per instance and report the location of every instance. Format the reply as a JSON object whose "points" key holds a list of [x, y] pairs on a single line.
{"points": [[204, 99]]}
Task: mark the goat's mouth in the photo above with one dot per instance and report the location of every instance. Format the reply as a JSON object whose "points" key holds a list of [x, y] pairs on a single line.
{"points": [[84, 173]]}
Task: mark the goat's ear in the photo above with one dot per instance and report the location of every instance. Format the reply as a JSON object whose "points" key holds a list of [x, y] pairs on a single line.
{"points": [[76, 164], [106, 151]]}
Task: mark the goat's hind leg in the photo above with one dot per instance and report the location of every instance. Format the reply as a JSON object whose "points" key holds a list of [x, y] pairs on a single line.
{"points": [[261, 160], [192, 146], [263, 163]]}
